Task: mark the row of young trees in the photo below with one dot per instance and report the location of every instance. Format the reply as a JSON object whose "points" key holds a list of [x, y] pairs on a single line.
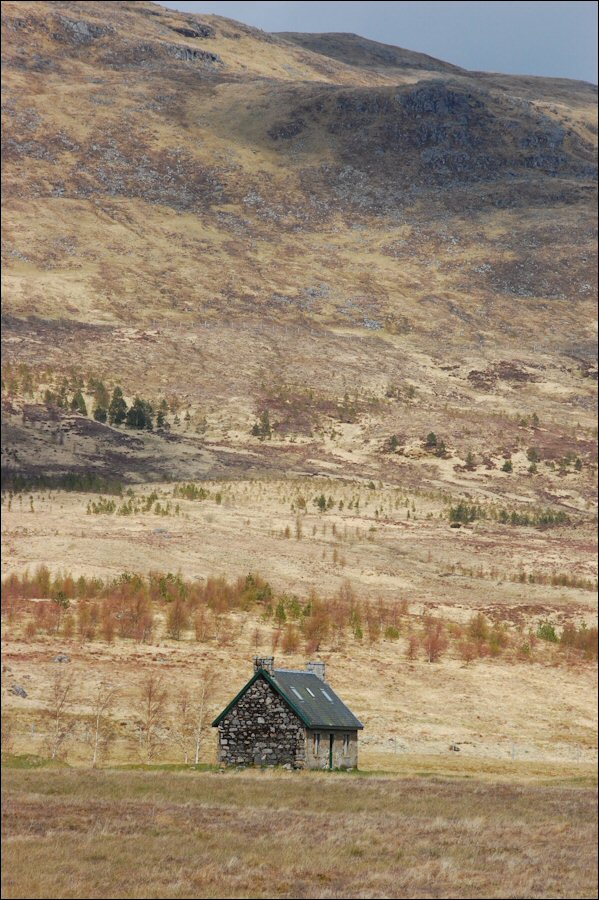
{"points": [[112, 409], [135, 607], [107, 406], [464, 513], [159, 715]]}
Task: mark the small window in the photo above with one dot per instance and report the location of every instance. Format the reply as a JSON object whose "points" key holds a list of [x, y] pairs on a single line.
{"points": [[316, 744], [328, 696], [297, 693], [310, 692], [346, 744]]}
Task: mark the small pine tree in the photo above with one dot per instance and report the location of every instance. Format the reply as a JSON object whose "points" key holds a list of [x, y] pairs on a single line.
{"points": [[117, 410], [78, 404], [507, 466], [262, 428], [100, 414], [161, 414], [321, 502]]}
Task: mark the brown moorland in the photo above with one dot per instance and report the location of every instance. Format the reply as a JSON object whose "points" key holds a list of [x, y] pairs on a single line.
{"points": [[141, 834]]}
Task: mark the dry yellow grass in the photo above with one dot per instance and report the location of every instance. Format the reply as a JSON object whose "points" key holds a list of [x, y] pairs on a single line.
{"points": [[542, 711], [396, 545], [159, 834]]}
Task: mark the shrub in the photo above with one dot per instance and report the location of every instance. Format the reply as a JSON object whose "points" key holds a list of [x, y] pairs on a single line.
{"points": [[177, 619], [190, 492], [547, 632], [468, 651], [262, 428], [412, 647], [291, 639], [434, 641], [478, 628]]}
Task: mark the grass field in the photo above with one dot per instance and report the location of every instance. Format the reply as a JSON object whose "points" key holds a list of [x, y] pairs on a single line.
{"points": [[161, 833]]}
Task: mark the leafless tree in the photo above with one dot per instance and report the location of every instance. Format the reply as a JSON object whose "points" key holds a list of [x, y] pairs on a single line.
{"points": [[152, 714], [191, 713], [413, 646], [99, 735], [201, 709], [190, 716], [434, 642], [468, 651], [182, 723], [59, 718]]}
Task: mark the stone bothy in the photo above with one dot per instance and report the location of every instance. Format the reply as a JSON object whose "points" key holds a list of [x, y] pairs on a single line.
{"points": [[288, 717]]}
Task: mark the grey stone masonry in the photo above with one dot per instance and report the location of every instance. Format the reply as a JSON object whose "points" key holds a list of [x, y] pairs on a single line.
{"points": [[261, 729]]}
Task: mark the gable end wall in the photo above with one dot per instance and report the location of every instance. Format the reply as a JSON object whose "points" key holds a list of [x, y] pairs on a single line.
{"points": [[261, 729]]}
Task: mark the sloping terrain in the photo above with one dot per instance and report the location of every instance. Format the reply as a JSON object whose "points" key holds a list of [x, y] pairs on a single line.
{"points": [[368, 244]]}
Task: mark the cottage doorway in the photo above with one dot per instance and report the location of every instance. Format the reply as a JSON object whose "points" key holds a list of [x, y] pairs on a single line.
{"points": [[331, 745]]}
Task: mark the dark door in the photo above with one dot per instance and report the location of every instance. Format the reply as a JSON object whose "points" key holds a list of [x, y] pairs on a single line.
{"points": [[331, 745]]}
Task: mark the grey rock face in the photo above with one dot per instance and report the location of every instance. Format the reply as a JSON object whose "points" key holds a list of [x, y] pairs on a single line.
{"points": [[190, 54], [195, 30], [80, 31]]}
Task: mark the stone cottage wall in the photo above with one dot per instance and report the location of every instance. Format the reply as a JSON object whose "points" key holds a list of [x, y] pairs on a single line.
{"points": [[261, 730]]}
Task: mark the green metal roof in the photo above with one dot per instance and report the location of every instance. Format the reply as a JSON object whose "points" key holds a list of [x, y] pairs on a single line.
{"points": [[312, 700]]}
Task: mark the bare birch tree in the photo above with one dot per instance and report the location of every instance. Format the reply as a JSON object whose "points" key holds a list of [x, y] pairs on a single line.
{"points": [[152, 714], [201, 709], [59, 718], [99, 735], [191, 713], [183, 724]]}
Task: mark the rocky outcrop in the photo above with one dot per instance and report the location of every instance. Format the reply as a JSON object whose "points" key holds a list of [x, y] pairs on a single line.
{"points": [[80, 31], [190, 54], [194, 30]]}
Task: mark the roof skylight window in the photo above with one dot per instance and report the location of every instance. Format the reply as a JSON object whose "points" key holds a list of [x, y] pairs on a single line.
{"points": [[297, 693], [328, 696]]}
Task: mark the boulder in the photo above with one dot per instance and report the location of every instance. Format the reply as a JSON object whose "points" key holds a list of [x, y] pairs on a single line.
{"points": [[18, 690]]}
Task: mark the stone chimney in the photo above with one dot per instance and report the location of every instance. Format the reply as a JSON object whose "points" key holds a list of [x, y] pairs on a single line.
{"points": [[318, 669], [264, 662]]}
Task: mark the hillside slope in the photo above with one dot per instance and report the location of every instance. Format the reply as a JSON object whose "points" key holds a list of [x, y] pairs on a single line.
{"points": [[363, 241]]}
